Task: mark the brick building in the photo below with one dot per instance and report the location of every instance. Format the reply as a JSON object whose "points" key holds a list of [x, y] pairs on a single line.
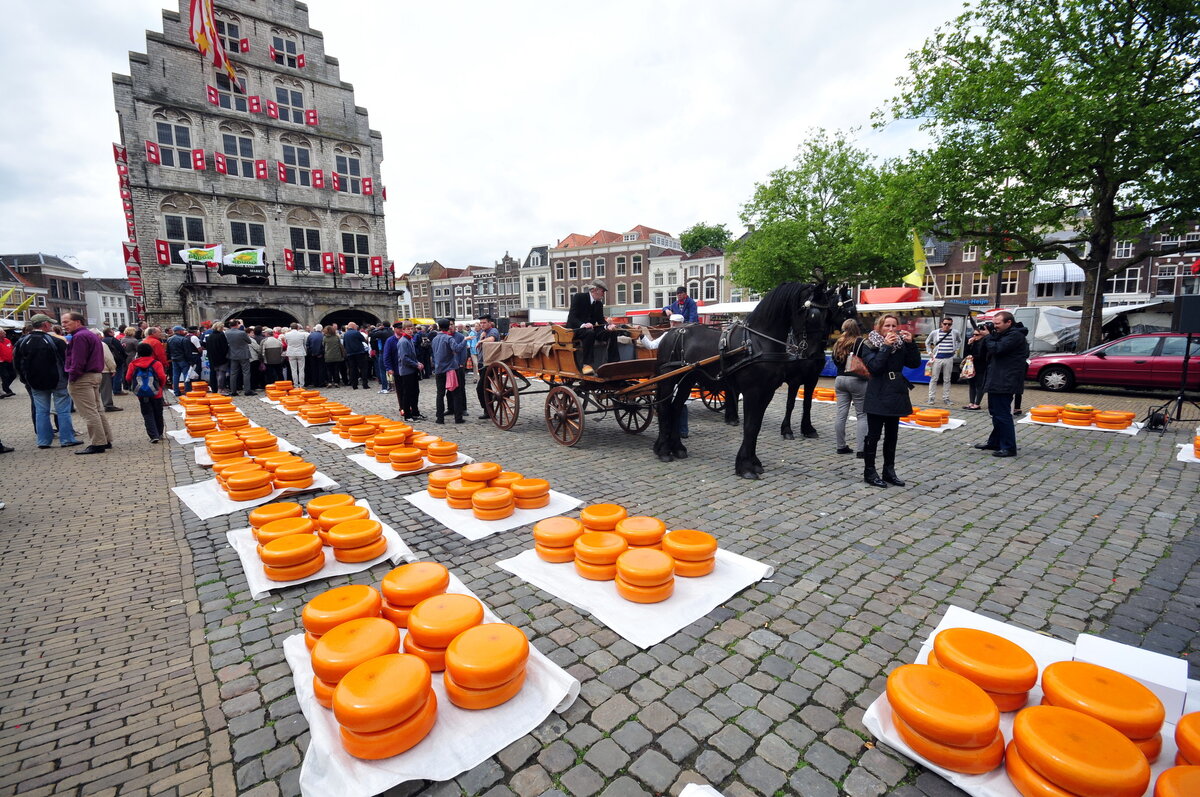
{"points": [[60, 283], [22, 288], [283, 161], [498, 289], [110, 303], [622, 260]]}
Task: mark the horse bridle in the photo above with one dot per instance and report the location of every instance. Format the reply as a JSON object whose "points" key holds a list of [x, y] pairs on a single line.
{"points": [[790, 347]]}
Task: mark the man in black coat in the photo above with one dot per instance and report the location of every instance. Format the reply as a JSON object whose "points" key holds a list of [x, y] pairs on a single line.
{"points": [[1007, 352], [586, 317]]}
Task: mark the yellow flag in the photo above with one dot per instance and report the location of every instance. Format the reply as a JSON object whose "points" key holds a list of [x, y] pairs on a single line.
{"points": [[916, 277], [4, 298], [23, 306]]}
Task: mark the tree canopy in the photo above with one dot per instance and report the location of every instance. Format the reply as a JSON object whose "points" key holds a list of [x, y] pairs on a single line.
{"points": [[1059, 127], [702, 234]]}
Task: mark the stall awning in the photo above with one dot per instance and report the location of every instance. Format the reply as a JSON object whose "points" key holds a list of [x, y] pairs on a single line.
{"points": [[1056, 273]]}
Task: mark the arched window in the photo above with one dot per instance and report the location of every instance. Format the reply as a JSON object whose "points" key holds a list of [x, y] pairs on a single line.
{"points": [[621, 266], [710, 290], [285, 49], [297, 158], [347, 168], [356, 245], [237, 143], [599, 267], [637, 296], [227, 98], [558, 270], [586, 267], [622, 293], [229, 31], [173, 133], [183, 223], [289, 96], [247, 225], [304, 234], [572, 270], [693, 287], [637, 264]]}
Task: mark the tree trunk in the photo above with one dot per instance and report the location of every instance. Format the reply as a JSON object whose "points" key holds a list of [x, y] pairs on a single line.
{"points": [[1091, 324]]}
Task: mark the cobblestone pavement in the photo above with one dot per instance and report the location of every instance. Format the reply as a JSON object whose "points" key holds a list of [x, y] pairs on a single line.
{"points": [[138, 661]]}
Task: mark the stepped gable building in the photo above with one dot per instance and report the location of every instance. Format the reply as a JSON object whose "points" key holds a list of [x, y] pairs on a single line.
{"points": [[284, 161], [621, 260]]}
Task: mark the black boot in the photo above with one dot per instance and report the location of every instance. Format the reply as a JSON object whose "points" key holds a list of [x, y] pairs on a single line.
{"points": [[870, 475], [889, 476]]}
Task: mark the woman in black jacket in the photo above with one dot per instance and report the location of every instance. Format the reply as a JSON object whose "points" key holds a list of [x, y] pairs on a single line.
{"points": [[978, 354], [887, 351]]}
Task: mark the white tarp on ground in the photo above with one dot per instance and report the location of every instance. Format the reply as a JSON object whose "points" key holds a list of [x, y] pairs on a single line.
{"points": [[460, 739], [1133, 429], [1186, 453], [243, 541], [207, 500], [384, 470], [464, 523], [643, 624], [333, 440]]}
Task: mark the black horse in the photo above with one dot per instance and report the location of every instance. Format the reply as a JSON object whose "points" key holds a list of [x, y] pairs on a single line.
{"points": [[788, 322]]}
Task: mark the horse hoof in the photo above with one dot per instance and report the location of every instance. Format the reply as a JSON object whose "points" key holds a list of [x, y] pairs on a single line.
{"points": [[788, 436], [681, 454], [810, 435], [665, 458], [749, 475], [759, 469], [733, 422]]}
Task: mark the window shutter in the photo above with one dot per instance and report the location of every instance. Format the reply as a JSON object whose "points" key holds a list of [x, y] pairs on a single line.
{"points": [[318, 178], [123, 172], [310, 116], [271, 51], [219, 163], [383, 190], [327, 262], [162, 252], [255, 104], [392, 266], [289, 259], [300, 60], [368, 186], [152, 152], [281, 171], [198, 160], [245, 45], [127, 205], [376, 266], [126, 193], [119, 154], [129, 215], [213, 97], [272, 109], [337, 182], [341, 263], [260, 170]]}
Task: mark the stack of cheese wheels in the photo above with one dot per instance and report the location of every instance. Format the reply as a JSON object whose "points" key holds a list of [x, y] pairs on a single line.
{"points": [[460, 490], [200, 386], [480, 473], [259, 442], [530, 493], [262, 515], [385, 706], [945, 718], [554, 538], [1078, 414], [933, 418], [292, 556], [1113, 419], [274, 461], [338, 411], [423, 441], [321, 503], [406, 459], [440, 478], [314, 414], [292, 403], [362, 432], [492, 503], [596, 554], [1178, 781], [248, 485], [435, 622], [443, 452], [1002, 669], [357, 540], [645, 575], [1045, 413], [199, 425], [824, 394], [641, 531], [222, 467], [485, 665], [344, 647], [339, 514], [407, 585], [295, 475], [1109, 696], [694, 552], [1187, 739], [1059, 751], [384, 443], [602, 517], [221, 448], [336, 606], [342, 426], [285, 527], [506, 479], [232, 420]]}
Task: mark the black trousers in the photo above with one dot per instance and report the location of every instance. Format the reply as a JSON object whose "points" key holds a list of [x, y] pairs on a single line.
{"points": [[889, 426], [152, 416], [360, 369], [408, 392], [587, 344], [314, 376], [452, 401], [7, 374]]}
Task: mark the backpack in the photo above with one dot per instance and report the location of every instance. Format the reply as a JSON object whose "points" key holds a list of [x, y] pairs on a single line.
{"points": [[145, 383]]}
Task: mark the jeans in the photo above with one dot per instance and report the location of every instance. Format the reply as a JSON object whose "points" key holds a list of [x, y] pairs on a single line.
{"points": [[41, 416], [381, 371], [152, 416], [942, 369], [851, 390], [179, 374], [1004, 431], [85, 393], [117, 382], [239, 376]]}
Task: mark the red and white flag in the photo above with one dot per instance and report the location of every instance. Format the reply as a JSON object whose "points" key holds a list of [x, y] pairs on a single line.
{"points": [[203, 32]]}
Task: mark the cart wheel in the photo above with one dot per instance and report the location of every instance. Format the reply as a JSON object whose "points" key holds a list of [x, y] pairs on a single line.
{"points": [[564, 415], [713, 399], [635, 413], [501, 396]]}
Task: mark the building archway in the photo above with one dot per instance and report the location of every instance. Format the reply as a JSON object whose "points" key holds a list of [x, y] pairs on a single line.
{"points": [[343, 317], [264, 317]]}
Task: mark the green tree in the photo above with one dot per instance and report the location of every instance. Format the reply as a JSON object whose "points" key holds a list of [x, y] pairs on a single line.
{"points": [[821, 217], [1059, 127], [702, 234]]}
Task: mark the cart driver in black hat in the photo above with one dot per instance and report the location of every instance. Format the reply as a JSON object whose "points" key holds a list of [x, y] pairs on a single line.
{"points": [[586, 317]]}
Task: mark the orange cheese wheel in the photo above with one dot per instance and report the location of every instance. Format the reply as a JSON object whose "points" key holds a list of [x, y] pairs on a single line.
{"points": [[339, 605], [942, 705], [274, 462], [397, 615], [549, 553], [1187, 736], [1079, 753], [1026, 779], [381, 692], [292, 549], [1008, 703], [252, 494], [1151, 748], [641, 530], [233, 421], [599, 547], [220, 468], [1109, 417], [1109, 696], [637, 594], [323, 691], [557, 532], [1114, 426], [405, 454], [481, 471], [695, 569], [487, 655], [645, 567], [389, 438], [457, 503], [442, 448], [689, 544], [349, 644], [602, 517], [1044, 418], [310, 639], [492, 498], [261, 516], [440, 478], [322, 502], [362, 553], [408, 467], [295, 572], [283, 528], [595, 572], [991, 661], [1178, 781], [530, 488], [434, 657], [968, 760], [293, 484], [438, 459], [493, 514], [1180, 761], [435, 492], [247, 479], [299, 470], [411, 583], [505, 479], [340, 514], [354, 533], [1076, 422], [463, 489], [478, 699], [435, 621], [241, 467], [532, 503], [391, 741]]}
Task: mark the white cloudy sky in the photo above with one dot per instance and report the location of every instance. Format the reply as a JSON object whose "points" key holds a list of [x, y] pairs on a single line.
{"points": [[505, 124]]}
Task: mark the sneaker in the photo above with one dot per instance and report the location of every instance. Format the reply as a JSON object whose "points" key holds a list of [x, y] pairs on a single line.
{"points": [[1, 504], [383, 391], [155, 439], [6, 450]]}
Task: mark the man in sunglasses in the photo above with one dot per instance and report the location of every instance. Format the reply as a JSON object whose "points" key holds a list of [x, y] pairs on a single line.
{"points": [[940, 348]]}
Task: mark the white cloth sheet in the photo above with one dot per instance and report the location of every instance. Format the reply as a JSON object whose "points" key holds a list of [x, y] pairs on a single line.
{"points": [[463, 522], [1133, 429], [1186, 454], [204, 459], [699, 790], [178, 408], [207, 500], [305, 423], [334, 440], [953, 423], [242, 541], [182, 437], [460, 739], [384, 470], [643, 624], [1045, 650]]}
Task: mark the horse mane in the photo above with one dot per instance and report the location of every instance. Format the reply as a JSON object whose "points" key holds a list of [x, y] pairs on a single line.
{"points": [[777, 307]]}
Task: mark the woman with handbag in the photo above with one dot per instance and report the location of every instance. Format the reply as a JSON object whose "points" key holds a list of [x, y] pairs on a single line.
{"points": [[850, 385], [887, 351], [977, 354]]}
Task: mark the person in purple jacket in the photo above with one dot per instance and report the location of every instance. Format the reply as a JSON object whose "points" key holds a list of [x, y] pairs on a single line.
{"points": [[85, 369]]}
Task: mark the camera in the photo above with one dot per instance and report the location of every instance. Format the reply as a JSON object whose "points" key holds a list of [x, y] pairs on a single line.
{"points": [[988, 325]]}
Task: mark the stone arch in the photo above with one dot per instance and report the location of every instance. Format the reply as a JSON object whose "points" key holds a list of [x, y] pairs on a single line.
{"points": [[242, 210], [348, 150], [345, 315], [172, 115], [236, 129], [303, 217], [295, 140], [263, 317]]}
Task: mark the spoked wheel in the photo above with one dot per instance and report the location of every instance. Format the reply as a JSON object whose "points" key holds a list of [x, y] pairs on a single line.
{"points": [[635, 413], [713, 399], [501, 397], [564, 415]]}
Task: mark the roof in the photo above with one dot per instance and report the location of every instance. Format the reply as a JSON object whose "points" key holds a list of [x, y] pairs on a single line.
{"points": [[540, 250], [7, 276], [38, 259], [645, 232], [572, 240], [423, 268], [605, 237], [705, 251], [672, 253], [101, 285]]}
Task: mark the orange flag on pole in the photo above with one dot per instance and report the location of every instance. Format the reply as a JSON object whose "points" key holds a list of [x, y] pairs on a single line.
{"points": [[203, 33]]}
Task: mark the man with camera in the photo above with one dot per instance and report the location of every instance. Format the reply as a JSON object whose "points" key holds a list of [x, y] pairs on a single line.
{"points": [[1007, 351]]}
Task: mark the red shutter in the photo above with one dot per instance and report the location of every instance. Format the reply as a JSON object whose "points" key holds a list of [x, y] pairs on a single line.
{"points": [[126, 193], [272, 109], [392, 266], [119, 154], [130, 253], [337, 182], [254, 103], [271, 51], [327, 262], [341, 263], [198, 160], [123, 171], [289, 259], [129, 215], [219, 163], [245, 45], [130, 231], [152, 152], [376, 266], [368, 186], [127, 205], [162, 251], [213, 97], [310, 116], [260, 170], [281, 171], [318, 178], [383, 190], [300, 60]]}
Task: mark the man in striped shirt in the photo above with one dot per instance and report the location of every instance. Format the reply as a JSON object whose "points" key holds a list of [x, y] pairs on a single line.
{"points": [[940, 348]]}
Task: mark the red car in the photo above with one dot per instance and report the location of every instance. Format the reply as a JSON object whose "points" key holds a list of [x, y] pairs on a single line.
{"points": [[1153, 360]]}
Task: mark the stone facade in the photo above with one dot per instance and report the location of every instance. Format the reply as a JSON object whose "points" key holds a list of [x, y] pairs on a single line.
{"points": [[281, 145], [535, 279]]}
